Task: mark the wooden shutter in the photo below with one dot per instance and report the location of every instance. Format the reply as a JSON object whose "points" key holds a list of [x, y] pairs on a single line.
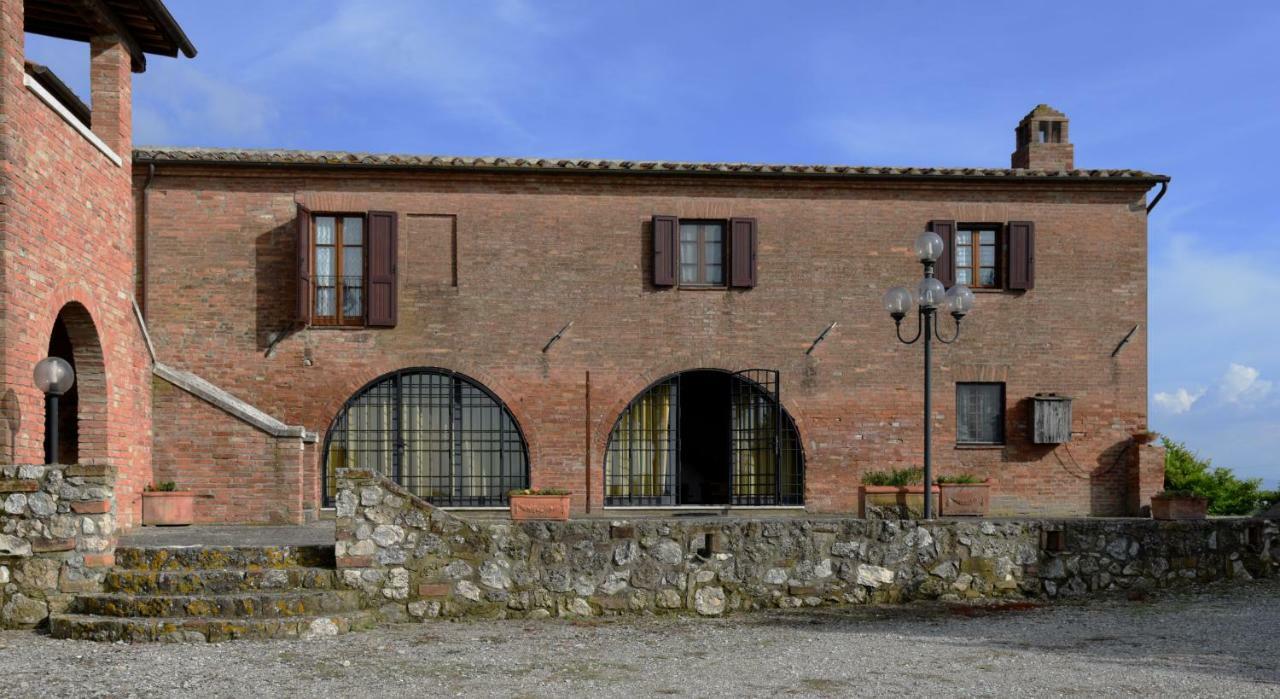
{"points": [[742, 252], [380, 306], [945, 269], [303, 252], [1021, 253], [666, 250]]}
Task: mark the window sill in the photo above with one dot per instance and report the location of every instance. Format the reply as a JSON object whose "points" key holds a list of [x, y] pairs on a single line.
{"points": [[70, 118], [701, 287], [980, 447]]}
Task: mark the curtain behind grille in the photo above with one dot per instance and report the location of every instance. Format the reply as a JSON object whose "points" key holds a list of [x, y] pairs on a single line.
{"points": [[640, 458], [755, 466]]}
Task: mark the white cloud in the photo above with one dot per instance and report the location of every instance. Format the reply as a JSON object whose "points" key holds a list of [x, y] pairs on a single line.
{"points": [[1178, 402], [1242, 384], [183, 103]]}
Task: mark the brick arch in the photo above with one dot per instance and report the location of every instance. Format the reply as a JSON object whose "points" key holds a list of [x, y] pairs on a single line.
{"points": [[492, 383], [90, 380], [356, 387], [603, 423]]}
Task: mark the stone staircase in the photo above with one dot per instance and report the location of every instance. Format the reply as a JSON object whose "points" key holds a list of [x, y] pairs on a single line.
{"points": [[213, 594]]}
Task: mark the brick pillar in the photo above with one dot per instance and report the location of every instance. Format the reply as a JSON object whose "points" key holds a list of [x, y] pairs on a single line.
{"points": [[1145, 478], [111, 87]]}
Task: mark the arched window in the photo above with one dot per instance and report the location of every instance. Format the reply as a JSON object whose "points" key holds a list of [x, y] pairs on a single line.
{"points": [[441, 435], [706, 437]]}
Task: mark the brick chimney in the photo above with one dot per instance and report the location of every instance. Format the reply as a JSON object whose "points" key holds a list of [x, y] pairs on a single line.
{"points": [[1043, 142]]}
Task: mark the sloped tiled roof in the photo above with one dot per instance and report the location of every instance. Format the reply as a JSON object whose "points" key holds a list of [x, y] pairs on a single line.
{"points": [[344, 159]]}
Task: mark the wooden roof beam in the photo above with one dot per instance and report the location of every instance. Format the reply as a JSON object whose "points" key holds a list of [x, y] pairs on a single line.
{"points": [[101, 17]]}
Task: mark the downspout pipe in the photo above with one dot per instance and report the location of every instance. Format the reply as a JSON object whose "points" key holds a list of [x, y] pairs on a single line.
{"points": [[145, 235], [1164, 187]]}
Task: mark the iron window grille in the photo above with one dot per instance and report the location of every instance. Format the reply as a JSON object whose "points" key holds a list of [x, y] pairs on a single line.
{"points": [[980, 413], [441, 435], [643, 458]]}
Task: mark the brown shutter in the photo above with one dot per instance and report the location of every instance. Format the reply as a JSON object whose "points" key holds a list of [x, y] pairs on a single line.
{"points": [[380, 307], [666, 248], [303, 248], [1021, 251], [742, 250], [945, 269]]}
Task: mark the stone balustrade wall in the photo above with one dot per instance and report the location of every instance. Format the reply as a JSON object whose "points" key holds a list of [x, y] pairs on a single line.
{"points": [[410, 558], [57, 537]]}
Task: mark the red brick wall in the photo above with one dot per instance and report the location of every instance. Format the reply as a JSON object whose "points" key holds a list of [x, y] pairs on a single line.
{"points": [[536, 251], [241, 473], [66, 222]]}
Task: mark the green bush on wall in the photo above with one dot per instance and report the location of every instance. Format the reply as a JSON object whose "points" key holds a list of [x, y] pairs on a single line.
{"points": [[1185, 471]]}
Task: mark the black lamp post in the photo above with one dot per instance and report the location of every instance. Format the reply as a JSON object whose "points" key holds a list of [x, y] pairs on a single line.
{"points": [[53, 376], [931, 297]]}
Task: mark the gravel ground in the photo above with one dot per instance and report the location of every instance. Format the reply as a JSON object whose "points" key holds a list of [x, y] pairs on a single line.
{"points": [[1220, 642]]}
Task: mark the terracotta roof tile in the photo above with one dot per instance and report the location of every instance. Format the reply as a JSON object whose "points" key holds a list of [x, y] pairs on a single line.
{"points": [[264, 157]]}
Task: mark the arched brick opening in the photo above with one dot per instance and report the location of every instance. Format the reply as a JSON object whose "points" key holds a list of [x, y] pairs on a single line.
{"points": [[83, 410], [705, 437], [441, 434]]}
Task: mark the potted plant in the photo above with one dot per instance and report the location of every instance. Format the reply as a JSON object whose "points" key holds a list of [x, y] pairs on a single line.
{"points": [[1178, 504], [163, 505], [1145, 436], [964, 495], [540, 503], [900, 491]]}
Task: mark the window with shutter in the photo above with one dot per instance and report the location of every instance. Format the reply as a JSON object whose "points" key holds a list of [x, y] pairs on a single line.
{"points": [[1021, 255], [742, 247], [303, 255], [382, 269], [337, 269], [945, 269], [980, 413], [665, 258]]}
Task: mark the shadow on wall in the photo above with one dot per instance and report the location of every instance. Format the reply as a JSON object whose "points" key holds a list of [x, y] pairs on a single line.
{"points": [[275, 287], [11, 415]]}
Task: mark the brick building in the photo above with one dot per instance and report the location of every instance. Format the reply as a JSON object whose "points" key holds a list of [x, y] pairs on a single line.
{"points": [[640, 334], [67, 235]]}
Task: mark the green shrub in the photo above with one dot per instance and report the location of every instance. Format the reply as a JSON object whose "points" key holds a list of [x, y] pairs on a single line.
{"points": [[1186, 472], [898, 477], [163, 487], [961, 479]]}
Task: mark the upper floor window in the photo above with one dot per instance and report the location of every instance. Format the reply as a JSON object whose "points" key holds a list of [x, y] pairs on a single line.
{"points": [[347, 268], [702, 253], [977, 255], [980, 413], [339, 265]]}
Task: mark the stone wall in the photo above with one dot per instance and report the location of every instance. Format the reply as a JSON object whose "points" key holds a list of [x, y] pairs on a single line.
{"points": [[57, 537], [409, 557]]}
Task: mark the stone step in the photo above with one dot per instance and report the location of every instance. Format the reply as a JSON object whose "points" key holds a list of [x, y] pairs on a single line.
{"points": [[212, 557], [199, 629], [237, 606], [217, 581]]}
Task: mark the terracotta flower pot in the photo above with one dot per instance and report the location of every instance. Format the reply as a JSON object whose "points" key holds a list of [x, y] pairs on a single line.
{"points": [[906, 500], [548, 507], [168, 508], [965, 499], [1179, 507]]}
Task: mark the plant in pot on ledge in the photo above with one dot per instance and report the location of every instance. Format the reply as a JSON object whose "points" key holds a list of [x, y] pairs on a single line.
{"points": [[539, 503], [1178, 504], [964, 495], [895, 494], [163, 505]]}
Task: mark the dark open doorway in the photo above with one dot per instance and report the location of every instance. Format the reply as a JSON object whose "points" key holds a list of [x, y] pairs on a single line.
{"points": [[706, 469], [69, 404]]}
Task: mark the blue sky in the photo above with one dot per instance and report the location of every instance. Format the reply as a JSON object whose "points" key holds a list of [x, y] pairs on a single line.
{"points": [[1187, 89]]}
